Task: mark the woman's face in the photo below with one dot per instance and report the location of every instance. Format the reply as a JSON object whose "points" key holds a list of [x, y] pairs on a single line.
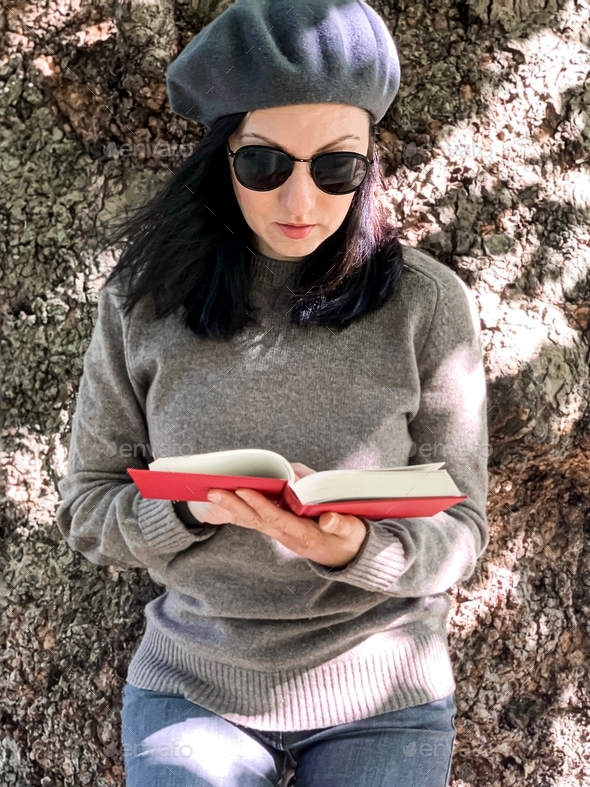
{"points": [[302, 130]]}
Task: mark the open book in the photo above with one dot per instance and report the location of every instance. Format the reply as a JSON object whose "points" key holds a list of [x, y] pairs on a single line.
{"points": [[413, 491]]}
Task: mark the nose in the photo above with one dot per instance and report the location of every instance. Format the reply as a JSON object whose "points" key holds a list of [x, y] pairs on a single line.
{"points": [[298, 193]]}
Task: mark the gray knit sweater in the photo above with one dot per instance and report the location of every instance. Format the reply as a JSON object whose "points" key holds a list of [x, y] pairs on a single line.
{"points": [[246, 627]]}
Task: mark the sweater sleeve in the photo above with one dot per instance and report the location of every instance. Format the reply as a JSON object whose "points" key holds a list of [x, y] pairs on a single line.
{"points": [[413, 557], [102, 514]]}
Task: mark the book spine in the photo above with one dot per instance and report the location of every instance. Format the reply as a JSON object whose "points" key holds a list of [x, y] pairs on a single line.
{"points": [[290, 502], [286, 495]]}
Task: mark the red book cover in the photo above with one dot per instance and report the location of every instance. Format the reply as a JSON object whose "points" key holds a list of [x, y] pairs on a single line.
{"points": [[166, 485]]}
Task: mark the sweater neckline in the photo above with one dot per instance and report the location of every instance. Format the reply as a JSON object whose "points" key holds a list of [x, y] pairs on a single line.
{"points": [[269, 272]]}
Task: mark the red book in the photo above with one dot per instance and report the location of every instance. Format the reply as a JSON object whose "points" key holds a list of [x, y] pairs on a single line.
{"points": [[393, 492]]}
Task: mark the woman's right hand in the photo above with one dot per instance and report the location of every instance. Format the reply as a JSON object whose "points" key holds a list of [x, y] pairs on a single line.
{"points": [[213, 514]]}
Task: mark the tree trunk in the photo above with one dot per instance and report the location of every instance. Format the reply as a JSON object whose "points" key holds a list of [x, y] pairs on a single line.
{"points": [[485, 152]]}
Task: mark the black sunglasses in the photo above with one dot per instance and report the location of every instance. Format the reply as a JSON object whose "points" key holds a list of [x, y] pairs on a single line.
{"points": [[263, 168]]}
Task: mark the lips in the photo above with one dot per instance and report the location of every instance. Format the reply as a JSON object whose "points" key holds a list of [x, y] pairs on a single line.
{"points": [[296, 231]]}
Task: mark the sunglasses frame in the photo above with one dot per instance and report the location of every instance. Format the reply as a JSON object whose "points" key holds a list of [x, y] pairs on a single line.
{"points": [[311, 162]]}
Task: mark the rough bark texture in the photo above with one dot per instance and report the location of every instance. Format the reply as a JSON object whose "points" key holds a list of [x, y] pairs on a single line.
{"points": [[485, 150]]}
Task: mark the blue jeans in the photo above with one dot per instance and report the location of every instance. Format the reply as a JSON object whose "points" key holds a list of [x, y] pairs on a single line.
{"points": [[171, 742]]}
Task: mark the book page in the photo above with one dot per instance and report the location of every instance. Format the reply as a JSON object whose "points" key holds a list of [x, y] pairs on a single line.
{"points": [[340, 485], [419, 468], [241, 461]]}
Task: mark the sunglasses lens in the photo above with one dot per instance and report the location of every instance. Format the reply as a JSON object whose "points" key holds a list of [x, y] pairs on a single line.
{"points": [[339, 173], [261, 169]]}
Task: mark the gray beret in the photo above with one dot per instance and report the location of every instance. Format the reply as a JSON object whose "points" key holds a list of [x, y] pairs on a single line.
{"points": [[269, 53]]}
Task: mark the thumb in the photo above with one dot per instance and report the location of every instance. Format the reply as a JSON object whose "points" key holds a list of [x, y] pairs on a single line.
{"points": [[329, 522]]}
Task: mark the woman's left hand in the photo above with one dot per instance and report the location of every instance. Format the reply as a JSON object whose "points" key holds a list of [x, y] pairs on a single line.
{"points": [[333, 545]]}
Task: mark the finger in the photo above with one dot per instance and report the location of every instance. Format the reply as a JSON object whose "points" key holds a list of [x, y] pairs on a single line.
{"points": [[338, 524], [333, 523], [301, 470], [242, 514], [209, 513], [268, 514], [294, 532], [198, 507]]}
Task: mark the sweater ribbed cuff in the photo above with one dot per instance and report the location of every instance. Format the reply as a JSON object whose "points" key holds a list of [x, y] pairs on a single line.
{"points": [[378, 564], [163, 529]]}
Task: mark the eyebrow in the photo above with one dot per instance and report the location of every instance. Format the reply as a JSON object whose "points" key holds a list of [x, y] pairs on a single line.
{"points": [[319, 150]]}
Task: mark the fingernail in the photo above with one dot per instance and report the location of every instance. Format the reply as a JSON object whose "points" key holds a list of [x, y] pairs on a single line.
{"points": [[213, 497]]}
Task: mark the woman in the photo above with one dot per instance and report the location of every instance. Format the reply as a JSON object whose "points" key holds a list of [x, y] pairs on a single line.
{"points": [[282, 644]]}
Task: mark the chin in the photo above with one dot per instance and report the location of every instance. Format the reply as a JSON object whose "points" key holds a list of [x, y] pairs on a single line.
{"points": [[295, 248]]}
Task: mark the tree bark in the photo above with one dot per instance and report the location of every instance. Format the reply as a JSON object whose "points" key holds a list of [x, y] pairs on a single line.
{"points": [[485, 155]]}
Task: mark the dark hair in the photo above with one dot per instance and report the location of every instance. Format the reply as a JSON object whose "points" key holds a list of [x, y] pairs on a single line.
{"points": [[191, 246]]}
